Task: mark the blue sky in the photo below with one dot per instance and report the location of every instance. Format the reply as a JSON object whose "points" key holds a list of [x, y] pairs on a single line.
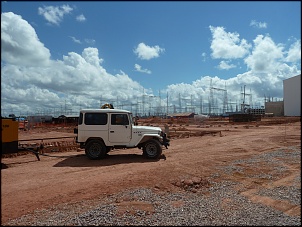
{"points": [[78, 53]]}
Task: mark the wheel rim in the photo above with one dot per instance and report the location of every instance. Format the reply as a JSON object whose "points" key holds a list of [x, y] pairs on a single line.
{"points": [[151, 149], [95, 150]]}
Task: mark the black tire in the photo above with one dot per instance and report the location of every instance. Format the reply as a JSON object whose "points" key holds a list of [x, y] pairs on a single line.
{"points": [[95, 149], [152, 149]]}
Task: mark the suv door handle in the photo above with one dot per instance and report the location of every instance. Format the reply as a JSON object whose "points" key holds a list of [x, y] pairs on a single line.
{"points": [[111, 131]]}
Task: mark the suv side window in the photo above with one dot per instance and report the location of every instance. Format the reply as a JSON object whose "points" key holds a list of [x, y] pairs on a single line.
{"points": [[96, 118], [119, 119]]}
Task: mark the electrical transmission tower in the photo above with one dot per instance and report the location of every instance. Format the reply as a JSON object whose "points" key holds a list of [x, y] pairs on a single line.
{"points": [[244, 105], [225, 98]]}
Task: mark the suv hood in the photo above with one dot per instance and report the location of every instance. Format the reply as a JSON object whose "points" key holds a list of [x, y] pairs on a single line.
{"points": [[150, 129]]}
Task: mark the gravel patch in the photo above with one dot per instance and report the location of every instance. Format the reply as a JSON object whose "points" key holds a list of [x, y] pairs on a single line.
{"points": [[221, 205]]}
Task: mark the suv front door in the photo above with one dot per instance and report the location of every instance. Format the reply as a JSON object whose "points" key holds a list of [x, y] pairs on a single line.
{"points": [[119, 128]]}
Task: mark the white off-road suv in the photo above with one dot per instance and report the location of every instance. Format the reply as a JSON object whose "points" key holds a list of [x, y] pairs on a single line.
{"points": [[101, 130]]}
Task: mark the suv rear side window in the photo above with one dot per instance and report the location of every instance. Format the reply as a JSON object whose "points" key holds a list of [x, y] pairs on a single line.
{"points": [[80, 119], [96, 118]]}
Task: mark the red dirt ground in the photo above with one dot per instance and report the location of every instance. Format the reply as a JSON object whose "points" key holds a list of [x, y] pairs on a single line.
{"points": [[195, 152]]}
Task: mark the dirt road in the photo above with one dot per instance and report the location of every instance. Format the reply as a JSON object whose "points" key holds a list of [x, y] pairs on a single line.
{"points": [[60, 177]]}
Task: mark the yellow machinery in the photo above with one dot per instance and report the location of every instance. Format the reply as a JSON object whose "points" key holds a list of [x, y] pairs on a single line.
{"points": [[9, 138], [9, 135], [10, 141]]}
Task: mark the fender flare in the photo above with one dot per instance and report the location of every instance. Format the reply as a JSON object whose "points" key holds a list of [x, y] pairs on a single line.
{"points": [[147, 137]]}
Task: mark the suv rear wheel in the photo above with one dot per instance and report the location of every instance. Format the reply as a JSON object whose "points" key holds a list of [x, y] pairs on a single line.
{"points": [[152, 149], [95, 149]]}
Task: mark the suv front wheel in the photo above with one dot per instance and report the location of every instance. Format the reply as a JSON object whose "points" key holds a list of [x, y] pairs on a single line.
{"points": [[95, 149], [152, 149]]}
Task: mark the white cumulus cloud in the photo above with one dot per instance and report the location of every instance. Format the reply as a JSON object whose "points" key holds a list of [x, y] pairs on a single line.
{"points": [[226, 65], [265, 55], [28, 84], [146, 52], [138, 68], [54, 14], [294, 52], [19, 42], [227, 45]]}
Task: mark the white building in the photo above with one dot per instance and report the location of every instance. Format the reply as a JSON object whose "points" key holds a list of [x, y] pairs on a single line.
{"points": [[292, 96]]}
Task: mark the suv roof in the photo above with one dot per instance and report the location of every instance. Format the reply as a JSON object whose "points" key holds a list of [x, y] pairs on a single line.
{"points": [[104, 111]]}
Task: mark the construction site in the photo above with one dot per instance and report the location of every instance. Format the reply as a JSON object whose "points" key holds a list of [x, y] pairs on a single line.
{"points": [[44, 171], [38, 182], [46, 179]]}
